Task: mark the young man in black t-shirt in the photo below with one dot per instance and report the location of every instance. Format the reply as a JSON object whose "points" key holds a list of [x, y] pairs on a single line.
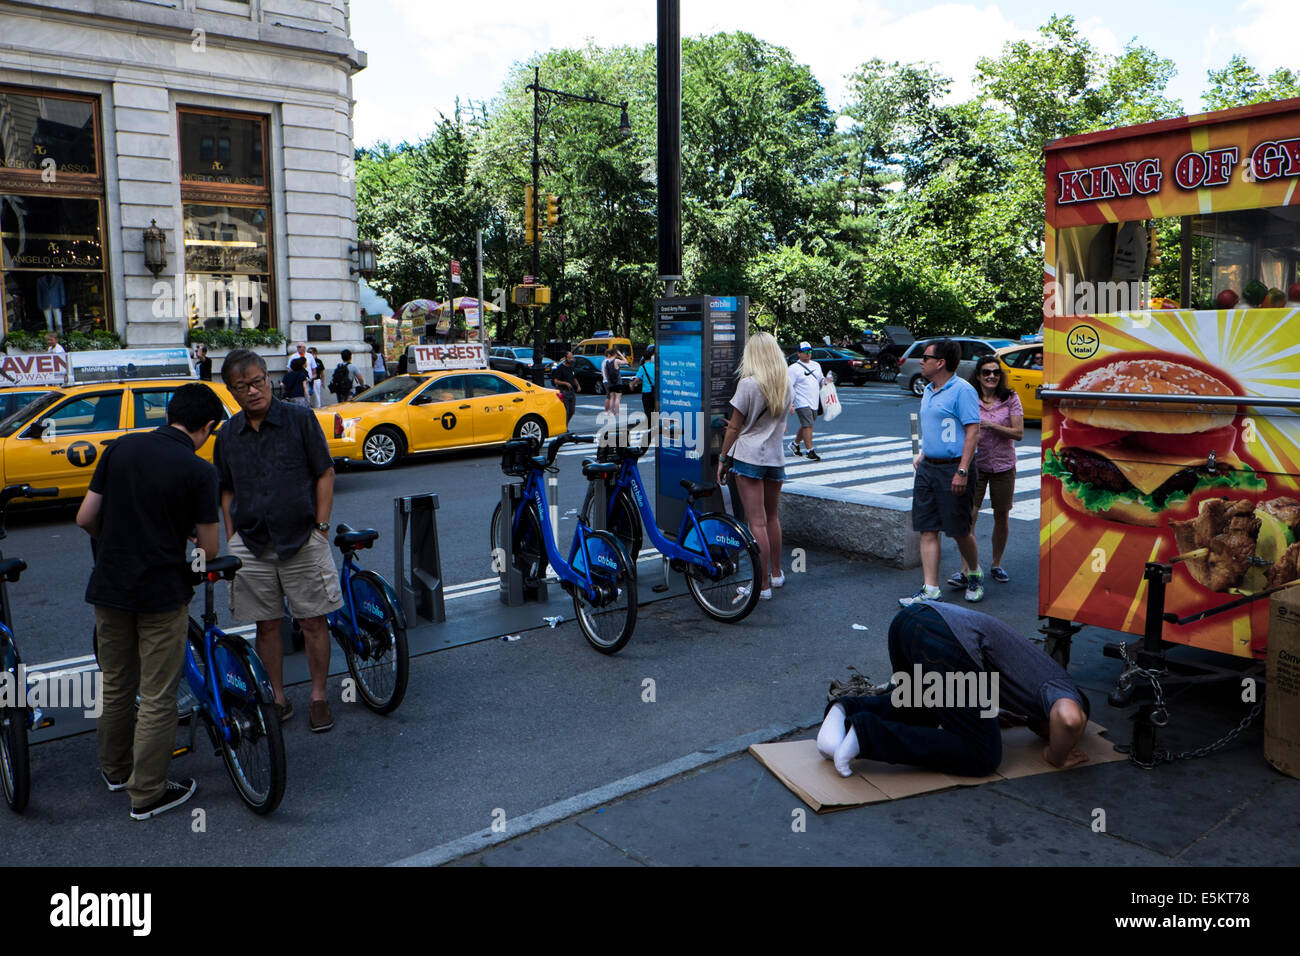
{"points": [[149, 492]]}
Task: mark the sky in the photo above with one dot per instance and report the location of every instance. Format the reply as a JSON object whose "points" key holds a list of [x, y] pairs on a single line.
{"points": [[423, 54]]}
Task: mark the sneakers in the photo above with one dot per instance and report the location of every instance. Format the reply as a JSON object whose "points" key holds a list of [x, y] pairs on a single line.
{"points": [[812, 455], [1000, 575], [794, 449], [778, 580], [320, 717], [113, 785], [926, 595], [177, 792], [744, 592], [958, 580], [975, 586], [284, 711]]}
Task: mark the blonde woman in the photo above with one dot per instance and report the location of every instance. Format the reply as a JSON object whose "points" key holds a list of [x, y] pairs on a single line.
{"points": [[752, 449]]}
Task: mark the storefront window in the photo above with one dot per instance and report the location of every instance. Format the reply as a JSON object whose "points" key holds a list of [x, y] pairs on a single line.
{"points": [[52, 250], [227, 211]]}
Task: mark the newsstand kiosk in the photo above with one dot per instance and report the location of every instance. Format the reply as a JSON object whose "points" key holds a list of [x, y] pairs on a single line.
{"points": [[1171, 439], [699, 341]]}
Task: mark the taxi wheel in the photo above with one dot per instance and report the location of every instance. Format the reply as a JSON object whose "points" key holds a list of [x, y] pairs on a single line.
{"points": [[383, 447], [600, 387], [532, 427]]}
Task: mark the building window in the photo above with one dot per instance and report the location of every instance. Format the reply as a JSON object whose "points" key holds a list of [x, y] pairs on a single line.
{"points": [[227, 220], [52, 213]]}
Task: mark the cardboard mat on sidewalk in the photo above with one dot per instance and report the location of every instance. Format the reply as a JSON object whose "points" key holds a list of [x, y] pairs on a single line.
{"points": [[798, 765]]}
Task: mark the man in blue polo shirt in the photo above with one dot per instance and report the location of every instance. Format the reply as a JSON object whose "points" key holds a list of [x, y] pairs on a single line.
{"points": [[943, 494]]}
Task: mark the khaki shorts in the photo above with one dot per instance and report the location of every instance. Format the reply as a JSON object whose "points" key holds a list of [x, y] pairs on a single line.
{"points": [[308, 579], [1001, 487]]}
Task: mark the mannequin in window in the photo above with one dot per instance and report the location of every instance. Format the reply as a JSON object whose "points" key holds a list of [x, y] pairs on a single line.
{"points": [[51, 297]]}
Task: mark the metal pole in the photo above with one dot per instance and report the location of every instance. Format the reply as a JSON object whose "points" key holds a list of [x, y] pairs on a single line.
{"points": [[478, 270], [670, 143], [537, 223]]}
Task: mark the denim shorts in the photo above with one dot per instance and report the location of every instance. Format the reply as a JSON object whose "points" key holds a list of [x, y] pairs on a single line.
{"points": [[762, 472]]}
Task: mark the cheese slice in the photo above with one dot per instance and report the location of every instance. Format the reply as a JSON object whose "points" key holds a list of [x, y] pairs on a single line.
{"points": [[1154, 469]]}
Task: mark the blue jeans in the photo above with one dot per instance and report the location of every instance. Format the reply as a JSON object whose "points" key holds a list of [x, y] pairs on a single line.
{"points": [[954, 740]]}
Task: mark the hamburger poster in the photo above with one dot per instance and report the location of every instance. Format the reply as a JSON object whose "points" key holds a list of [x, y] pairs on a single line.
{"points": [[1127, 480]]}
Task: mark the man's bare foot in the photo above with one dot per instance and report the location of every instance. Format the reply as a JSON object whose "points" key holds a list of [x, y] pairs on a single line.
{"points": [[1072, 759]]}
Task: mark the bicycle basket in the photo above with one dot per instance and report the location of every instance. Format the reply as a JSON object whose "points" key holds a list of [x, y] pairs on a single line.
{"points": [[515, 460]]}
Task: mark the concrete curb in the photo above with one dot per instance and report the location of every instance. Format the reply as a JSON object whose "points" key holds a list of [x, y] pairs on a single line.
{"points": [[856, 522]]}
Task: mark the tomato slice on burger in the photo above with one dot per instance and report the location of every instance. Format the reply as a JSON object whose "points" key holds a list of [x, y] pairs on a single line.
{"points": [[1221, 441], [1077, 435]]}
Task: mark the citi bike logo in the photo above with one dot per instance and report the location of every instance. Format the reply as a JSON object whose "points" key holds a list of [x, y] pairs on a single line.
{"points": [[606, 561], [726, 540], [636, 494], [234, 680], [371, 608]]}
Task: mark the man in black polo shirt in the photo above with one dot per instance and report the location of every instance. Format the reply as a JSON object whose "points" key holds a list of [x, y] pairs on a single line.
{"points": [[277, 489], [566, 380], [149, 492]]}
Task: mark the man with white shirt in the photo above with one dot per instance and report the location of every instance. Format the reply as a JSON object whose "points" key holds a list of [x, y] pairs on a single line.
{"points": [[806, 381], [311, 364]]}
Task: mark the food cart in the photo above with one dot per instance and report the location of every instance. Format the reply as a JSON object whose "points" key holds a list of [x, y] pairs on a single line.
{"points": [[1171, 426]]}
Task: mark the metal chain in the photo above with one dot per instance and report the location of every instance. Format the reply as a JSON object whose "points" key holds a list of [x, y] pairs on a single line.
{"points": [[1160, 717]]}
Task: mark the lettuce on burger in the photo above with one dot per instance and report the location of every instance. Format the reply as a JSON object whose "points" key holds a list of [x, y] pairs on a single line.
{"points": [[1130, 461]]}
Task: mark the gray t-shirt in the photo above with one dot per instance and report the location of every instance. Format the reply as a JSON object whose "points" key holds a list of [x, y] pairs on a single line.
{"points": [[1029, 682], [759, 442]]}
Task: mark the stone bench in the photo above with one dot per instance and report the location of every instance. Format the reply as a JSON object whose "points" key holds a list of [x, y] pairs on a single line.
{"points": [[845, 519]]}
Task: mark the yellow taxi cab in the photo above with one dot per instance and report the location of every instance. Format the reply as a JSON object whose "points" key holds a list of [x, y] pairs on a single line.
{"points": [[597, 347], [446, 409], [55, 439], [1023, 365]]}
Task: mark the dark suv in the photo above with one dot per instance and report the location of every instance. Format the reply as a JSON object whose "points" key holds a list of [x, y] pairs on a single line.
{"points": [[884, 348]]}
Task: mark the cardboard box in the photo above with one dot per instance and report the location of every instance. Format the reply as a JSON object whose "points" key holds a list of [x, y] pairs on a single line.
{"points": [[1282, 694]]}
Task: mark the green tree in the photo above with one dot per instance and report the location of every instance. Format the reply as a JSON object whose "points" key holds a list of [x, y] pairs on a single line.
{"points": [[1240, 84]]}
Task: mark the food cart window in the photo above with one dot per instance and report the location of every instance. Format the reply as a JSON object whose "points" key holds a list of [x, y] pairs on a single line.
{"points": [[1249, 253]]}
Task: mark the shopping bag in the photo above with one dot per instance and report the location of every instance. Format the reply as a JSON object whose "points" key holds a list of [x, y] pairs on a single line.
{"points": [[830, 401]]}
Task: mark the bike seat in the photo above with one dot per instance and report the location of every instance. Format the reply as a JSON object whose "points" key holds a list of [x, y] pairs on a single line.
{"points": [[599, 470], [223, 566], [698, 490], [12, 568], [347, 538]]}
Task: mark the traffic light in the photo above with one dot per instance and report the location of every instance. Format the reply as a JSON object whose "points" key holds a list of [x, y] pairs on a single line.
{"points": [[552, 210], [530, 216]]}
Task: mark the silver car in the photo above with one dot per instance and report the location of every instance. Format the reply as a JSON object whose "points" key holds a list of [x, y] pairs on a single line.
{"points": [[973, 349]]}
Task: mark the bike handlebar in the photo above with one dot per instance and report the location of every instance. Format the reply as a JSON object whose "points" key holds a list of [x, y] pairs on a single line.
{"points": [[25, 491], [568, 438]]}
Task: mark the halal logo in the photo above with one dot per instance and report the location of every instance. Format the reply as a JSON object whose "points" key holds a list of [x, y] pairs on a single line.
{"points": [[81, 453], [448, 421], [1082, 341]]}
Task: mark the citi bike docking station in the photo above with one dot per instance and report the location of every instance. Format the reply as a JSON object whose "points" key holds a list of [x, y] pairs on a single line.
{"points": [[598, 574], [16, 717]]}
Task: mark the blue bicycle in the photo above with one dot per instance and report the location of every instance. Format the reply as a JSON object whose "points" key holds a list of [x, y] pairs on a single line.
{"points": [[232, 696], [599, 575], [370, 627], [16, 719], [716, 553]]}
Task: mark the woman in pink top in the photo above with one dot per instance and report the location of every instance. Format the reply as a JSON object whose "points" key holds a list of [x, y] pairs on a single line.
{"points": [[1002, 424]]}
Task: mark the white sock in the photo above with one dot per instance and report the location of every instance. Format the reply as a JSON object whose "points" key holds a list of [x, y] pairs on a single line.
{"points": [[831, 735], [844, 754]]}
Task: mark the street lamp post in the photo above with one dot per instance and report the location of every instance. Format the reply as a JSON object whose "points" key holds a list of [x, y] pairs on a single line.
{"points": [[543, 101]]}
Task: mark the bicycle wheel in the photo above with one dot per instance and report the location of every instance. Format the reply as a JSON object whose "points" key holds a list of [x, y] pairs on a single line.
{"points": [[731, 596], [607, 622], [530, 548], [381, 665], [15, 763], [623, 521], [254, 755]]}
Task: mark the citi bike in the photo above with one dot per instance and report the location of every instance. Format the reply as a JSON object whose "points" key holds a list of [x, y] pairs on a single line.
{"points": [[716, 553], [599, 574], [16, 718]]}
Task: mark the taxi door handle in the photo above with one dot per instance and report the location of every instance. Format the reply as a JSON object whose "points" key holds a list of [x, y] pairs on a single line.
{"points": [[464, 406], [108, 441], [516, 399]]}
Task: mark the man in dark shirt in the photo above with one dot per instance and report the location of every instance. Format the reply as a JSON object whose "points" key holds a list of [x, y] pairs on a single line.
{"points": [[277, 489], [149, 491], [951, 722], [566, 380]]}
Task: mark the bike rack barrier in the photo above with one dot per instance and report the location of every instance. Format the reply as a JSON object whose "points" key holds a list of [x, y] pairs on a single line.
{"points": [[415, 520], [513, 591]]}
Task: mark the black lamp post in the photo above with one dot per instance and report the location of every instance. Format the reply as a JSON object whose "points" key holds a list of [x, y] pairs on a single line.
{"points": [[543, 101]]}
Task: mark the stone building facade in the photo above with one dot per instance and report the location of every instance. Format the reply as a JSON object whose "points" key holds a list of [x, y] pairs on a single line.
{"points": [[226, 122]]}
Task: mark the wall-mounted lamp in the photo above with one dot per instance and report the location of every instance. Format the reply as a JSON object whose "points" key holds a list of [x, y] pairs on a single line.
{"points": [[155, 248], [365, 258]]}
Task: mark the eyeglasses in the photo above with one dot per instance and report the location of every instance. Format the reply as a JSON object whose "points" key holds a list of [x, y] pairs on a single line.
{"points": [[990, 372], [927, 355], [242, 388]]}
